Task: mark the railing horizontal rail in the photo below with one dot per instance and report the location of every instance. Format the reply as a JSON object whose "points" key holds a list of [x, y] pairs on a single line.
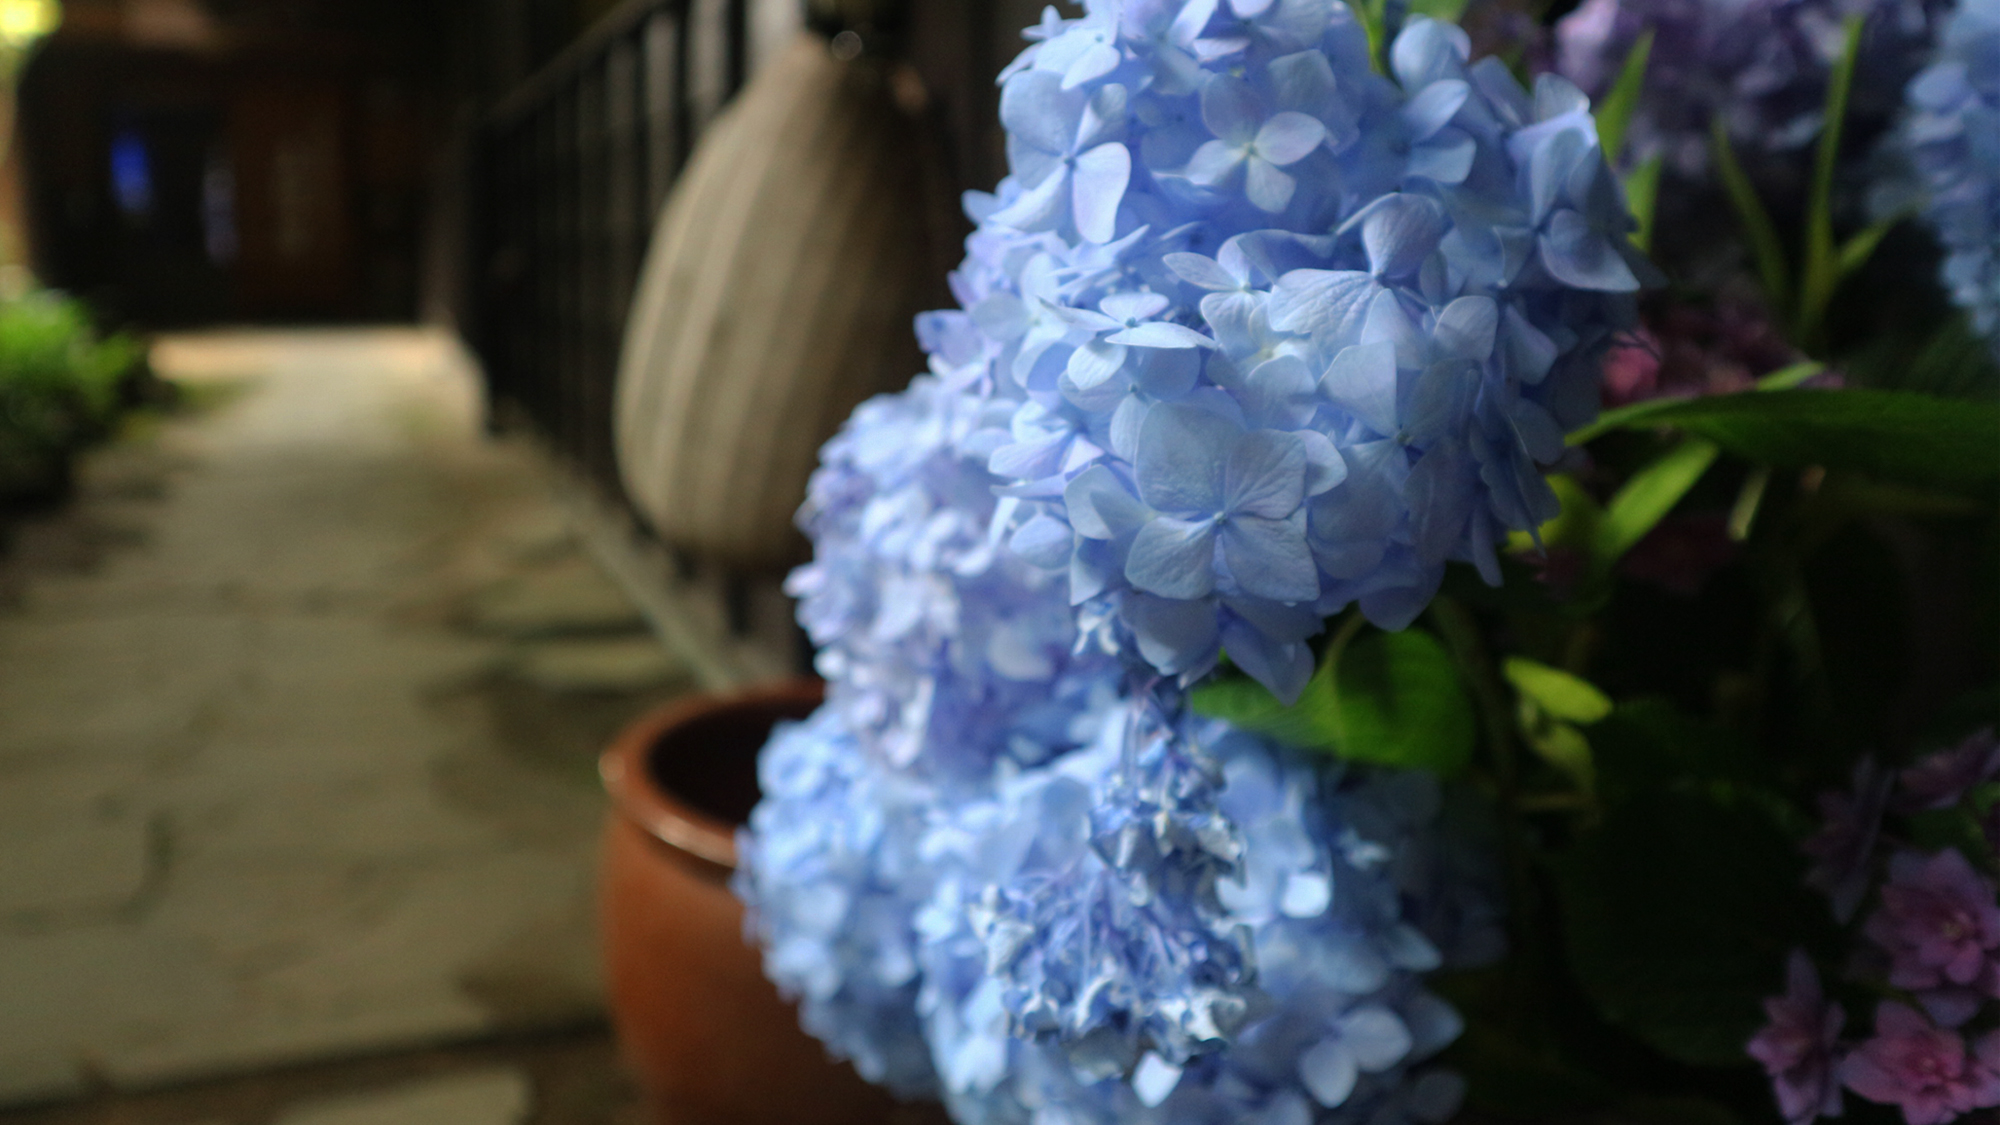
{"points": [[571, 61]]}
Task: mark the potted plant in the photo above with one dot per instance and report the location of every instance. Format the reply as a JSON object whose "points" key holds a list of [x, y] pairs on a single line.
{"points": [[1340, 635]]}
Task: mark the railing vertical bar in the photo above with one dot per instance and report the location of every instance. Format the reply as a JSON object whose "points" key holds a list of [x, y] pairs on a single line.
{"points": [[665, 106], [574, 166]]}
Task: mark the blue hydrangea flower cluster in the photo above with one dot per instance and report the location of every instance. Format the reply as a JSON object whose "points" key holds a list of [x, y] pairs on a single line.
{"points": [[1283, 334], [1762, 66], [1952, 134], [1250, 334]]}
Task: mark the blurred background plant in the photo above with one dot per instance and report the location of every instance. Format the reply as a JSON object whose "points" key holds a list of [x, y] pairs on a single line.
{"points": [[62, 385]]}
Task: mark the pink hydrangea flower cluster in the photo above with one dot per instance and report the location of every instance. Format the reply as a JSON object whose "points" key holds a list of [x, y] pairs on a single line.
{"points": [[1930, 939]]}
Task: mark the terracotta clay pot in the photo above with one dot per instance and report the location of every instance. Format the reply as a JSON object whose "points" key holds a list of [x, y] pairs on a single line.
{"points": [[708, 1038]]}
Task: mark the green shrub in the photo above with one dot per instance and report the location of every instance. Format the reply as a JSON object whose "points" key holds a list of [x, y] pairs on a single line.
{"points": [[60, 387]]}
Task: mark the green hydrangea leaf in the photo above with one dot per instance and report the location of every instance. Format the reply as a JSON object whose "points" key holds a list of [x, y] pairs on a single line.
{"points": [[1555, 691], [1677, 915], [1897, 435], [1614, 112], [1390, 699], [1645, 499]]}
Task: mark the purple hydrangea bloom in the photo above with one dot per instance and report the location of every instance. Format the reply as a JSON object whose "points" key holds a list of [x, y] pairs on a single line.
{"points": [[1844, 847], [1924, 1069], [1939, 923], [1942, 779], [1799, 1048], [1952, 135], [1762, 66]]}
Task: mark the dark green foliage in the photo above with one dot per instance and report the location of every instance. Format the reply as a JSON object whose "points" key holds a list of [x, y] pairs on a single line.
{"points": [[1390, 699], [59, 387]]}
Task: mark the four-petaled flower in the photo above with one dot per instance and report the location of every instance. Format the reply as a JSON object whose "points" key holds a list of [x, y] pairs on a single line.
{"points": [[1252, 138], [1070, 150], [1125, 322], [1216, 484]]}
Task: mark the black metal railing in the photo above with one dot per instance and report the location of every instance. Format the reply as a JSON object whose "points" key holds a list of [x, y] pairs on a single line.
{"points": [[569, 170]]}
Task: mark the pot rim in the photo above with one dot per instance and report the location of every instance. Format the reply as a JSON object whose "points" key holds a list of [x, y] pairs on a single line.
{"points": [[659, 812]]}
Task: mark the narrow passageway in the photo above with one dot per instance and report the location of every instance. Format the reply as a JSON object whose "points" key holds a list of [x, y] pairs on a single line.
{"points": [[298, 701]]}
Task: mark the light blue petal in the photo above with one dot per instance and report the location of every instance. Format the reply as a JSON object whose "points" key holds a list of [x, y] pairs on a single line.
{"points": [[1230, 110], [1278, 393], [1160, 334], [1173, 636], [1302, 81], [1101, 177], [1428, 51], [1121, 307], [1400, 232], [1094, 363], [1328, 1071], [1268, 557], [1181, 454], [1466, 328], [1539, 433], [1440, 495], [1328, 305], [1100, 506], [1284, 667], [1530, 352], [1446, 158], [1325, 467], [1043, 541], [1576, 255], [1362, 379], [1167, 373], [1104, 118], [1095, 62], [1214, 161], [1037, 111], [1388, 323], [1439, 401], [1203, 273], [1000, 317], [1268, 188], [1265, 475], [1550, 163], [1556, 96], [1434, 107], [1089, 320], [1287, 137], [1154, 1079], [1039, 208], [1027, 460], [1375, 1037], [1173, 558]]}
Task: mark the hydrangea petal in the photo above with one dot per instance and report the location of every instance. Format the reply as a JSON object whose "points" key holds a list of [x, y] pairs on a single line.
{"points": [[1173, 558], [1268, 557], [1182, 450], [1100, 180]]}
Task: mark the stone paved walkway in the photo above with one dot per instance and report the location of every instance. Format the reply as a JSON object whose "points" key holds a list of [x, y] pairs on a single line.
{"points": [[298, 704]]}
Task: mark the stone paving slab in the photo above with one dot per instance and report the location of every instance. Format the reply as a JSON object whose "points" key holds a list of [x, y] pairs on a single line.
{"points": [[566, 1076], [492, 1097], [266, 793]]}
